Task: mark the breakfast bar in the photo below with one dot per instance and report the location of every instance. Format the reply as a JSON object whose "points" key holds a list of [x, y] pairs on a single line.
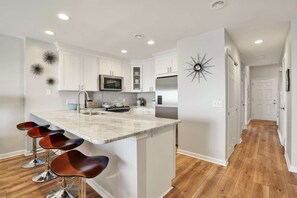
{"points": [[141, 150]]}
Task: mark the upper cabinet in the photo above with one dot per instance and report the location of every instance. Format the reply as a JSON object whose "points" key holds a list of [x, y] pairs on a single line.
{"points": [[166, 63], [77, 71], [143, 76], [148, 76], [136, 75], [110, 67]]}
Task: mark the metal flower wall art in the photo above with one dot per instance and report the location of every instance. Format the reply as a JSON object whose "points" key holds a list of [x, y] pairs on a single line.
{"points": [[50, 81], [199, 67], [49, 57], [37, 69]]}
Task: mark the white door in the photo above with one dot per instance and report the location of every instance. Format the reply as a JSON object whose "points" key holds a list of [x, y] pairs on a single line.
{"points": [[282, 105], [264, 99], [232, 107]]}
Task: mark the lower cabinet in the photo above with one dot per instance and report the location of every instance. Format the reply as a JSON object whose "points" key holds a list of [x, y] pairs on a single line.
{"points": [[143, 111]]}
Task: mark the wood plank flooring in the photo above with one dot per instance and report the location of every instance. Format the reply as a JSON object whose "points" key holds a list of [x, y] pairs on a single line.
{"points": [[15, 182], [257, 168]]}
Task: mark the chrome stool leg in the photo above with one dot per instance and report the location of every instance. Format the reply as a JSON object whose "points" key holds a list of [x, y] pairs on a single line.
{"points": [[63, 192], [35, 161], [82, 187], [46, 175]]}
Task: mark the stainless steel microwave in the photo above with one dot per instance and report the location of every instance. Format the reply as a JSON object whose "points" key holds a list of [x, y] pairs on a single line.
{"points": [[110, 83]]}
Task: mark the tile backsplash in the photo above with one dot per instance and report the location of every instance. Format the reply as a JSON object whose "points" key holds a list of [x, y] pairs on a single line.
{"points": [[114, 97]]}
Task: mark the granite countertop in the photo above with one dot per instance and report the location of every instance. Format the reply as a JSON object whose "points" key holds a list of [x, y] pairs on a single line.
{"points": [[103, 128]]}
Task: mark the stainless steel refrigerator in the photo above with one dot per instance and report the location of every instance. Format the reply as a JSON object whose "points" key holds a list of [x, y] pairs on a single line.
{"points": [[166, 98]]}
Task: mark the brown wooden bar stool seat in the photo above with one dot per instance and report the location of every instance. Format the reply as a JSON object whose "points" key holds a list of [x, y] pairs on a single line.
{"points": [[61, 142], [75, 164], [39, 132], [25, 126]]}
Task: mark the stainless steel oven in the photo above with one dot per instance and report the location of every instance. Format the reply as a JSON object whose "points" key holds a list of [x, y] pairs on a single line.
{"points": [[110, 83]]}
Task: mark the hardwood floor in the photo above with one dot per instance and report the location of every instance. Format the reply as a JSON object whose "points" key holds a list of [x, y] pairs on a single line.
{"points": [[257, 168], [15, 182]]}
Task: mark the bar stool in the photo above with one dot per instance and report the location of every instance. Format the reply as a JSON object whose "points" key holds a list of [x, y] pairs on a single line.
{"points": [[39, 132], [75, 164], [61, 142], [25, 126]]}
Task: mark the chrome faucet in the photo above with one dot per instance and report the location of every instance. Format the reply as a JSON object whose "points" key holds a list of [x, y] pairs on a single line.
{"points": [[78, 99]]}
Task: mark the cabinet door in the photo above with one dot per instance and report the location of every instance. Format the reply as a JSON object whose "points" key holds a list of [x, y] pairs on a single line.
{"points": [[90, 73], [116, 69], [174, 63], [148, 76], [126, 73], [149, 112], [105, 66], [163, 63], [70, 71], [138, 111], [136, 78]]}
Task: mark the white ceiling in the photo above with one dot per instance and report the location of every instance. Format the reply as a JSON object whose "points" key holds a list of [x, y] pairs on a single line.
{"points": [[109, 25]]}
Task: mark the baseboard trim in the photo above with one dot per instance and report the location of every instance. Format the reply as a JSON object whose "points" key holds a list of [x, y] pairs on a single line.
{"points": [[281, 139], [11, 154], [101, 191], [166, 192], [29, 153], [203, 157], [291, 168], [247, 123]]}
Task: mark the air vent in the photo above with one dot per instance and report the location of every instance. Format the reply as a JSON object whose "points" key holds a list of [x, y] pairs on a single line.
{"points": [[218, 4], [139, 36]]}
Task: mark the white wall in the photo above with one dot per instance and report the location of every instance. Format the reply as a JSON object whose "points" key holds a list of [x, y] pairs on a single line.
{"points": [[294, 94], [36, 98], [265, 72], [247, 90], [202, 132], [11, 95]]}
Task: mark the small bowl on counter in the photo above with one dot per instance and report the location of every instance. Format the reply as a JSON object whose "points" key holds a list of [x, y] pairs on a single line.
{"points": [[119, 104], [106, 105], [72, 106]]}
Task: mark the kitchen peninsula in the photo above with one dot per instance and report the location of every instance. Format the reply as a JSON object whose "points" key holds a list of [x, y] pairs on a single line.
{"points": [[141, 150]]}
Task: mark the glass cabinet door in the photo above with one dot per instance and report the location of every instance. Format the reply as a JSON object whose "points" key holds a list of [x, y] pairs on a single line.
{"points": [[136, 78]]}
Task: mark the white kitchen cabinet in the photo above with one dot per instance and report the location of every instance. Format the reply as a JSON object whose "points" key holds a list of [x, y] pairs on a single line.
{"points": [[77, 71], [90, 73], [136, 74], [166, 64], [110, 67], [142, 110], [148, 76], [126, 68]]}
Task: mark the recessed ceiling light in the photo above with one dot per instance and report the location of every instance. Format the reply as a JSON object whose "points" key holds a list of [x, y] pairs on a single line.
{"points": [[258, 41], [63, 17], [151, 42], [139, 36], [48, 32], [124, 51], [218, 4]]}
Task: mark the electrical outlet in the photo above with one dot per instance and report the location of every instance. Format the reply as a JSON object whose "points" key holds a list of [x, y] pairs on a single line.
{"points": [[217, 103], [48, 92]]}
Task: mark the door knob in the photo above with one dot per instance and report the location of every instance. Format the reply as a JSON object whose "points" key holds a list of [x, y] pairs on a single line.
{"points": [[283, 108]]}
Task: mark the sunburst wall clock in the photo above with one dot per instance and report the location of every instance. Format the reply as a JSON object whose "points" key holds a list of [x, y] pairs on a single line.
{"points": [[199, 67]]}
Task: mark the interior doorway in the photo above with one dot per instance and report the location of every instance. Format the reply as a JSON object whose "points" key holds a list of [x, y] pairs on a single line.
{"points": [[233, 106], [264, 99]]}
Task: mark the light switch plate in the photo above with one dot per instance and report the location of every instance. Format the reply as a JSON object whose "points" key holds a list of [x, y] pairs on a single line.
{"points": [[217, 103]]}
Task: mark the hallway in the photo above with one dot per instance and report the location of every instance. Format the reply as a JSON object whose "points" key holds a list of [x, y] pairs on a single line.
{"points": [[257, 168]]}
